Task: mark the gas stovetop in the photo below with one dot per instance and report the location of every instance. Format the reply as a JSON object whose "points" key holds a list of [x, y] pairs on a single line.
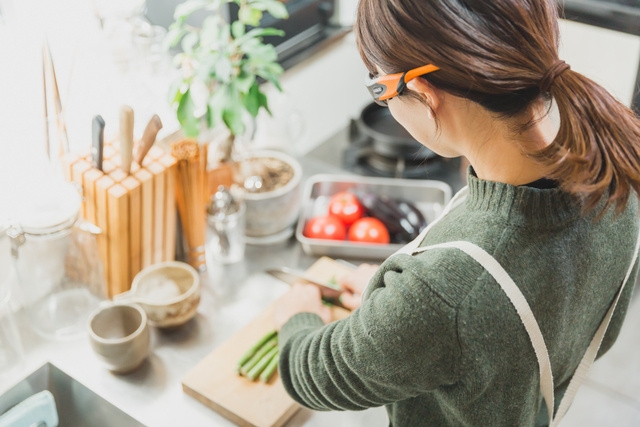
{"points": [[340, 154]]}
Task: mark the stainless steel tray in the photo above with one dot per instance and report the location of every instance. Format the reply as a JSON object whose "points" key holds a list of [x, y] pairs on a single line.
{"points": [[428, 196]]}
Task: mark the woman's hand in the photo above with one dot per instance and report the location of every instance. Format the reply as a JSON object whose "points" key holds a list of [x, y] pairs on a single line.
{"points": [[300, 299], [354, 283]]}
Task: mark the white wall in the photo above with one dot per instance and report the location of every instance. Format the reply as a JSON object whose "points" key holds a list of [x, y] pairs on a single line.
{"points": [[608, 57], [326, 90]]}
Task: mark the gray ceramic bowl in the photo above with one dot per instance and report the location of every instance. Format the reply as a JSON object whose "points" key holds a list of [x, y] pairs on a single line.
{"points": [[119, 335]]}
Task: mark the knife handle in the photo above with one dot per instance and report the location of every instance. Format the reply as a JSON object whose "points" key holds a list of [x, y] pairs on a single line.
{"points": [[148, 138], [126, 138], [97, 141]]}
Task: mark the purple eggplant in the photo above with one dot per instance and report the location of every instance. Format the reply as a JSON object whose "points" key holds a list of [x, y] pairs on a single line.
{"points": [[403, 220]]}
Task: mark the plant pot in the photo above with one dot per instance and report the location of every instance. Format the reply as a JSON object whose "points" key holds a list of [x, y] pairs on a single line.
{"points": [[271, 212]]}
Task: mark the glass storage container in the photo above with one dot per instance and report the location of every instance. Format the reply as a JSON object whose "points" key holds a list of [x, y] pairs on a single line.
{"points": [[11, 352], [58, 268]]}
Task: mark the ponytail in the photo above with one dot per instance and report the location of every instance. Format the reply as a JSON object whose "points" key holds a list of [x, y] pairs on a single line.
{"points": [[503, 55], [597, 148]]}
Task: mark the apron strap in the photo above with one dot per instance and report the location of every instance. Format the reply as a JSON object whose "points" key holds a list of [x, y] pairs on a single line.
{"points": [[518, 300], [456, 200], [521, 305]]}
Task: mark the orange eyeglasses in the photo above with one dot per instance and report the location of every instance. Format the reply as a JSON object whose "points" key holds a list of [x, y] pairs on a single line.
{"points": [[383, 88]]}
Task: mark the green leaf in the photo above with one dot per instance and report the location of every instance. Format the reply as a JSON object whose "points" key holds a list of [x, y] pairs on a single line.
{"points": [[186, 117], [223, 69], [245, 81], [252, 100], [232, 112], [262, 52], [188, 42], [249, 16], [268, 75], [277, 9], [237, 29], [210, 33], [262, 98], [187, 8], [216, 105], [173, 38], [175, 92]]}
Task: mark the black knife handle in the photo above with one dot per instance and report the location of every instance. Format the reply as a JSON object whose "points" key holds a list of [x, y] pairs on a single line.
{"points": [[97, 141]]}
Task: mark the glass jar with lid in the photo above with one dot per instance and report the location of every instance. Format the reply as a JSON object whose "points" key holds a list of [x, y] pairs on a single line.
{"points": [[57, 264], [11, 352]]}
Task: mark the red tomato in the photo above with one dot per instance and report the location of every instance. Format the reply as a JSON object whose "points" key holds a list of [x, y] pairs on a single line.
{"points": [[325, 227], [369, 230], [346, 206]]}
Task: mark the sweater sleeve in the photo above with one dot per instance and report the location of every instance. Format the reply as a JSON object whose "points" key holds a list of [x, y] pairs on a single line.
{"points": [[400, 343]]}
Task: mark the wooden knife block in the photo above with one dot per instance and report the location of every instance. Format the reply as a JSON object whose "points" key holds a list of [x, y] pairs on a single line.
{"points": [[136, 212]]}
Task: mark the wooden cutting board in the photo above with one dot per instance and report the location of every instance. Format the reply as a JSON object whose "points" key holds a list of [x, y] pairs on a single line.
{"points": [[214, 381]]}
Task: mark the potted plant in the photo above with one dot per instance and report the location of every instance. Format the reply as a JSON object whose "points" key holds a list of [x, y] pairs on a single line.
{"points": [[222, 65]]}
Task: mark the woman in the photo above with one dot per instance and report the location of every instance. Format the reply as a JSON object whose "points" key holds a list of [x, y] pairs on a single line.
{"points": [[437, 338]]}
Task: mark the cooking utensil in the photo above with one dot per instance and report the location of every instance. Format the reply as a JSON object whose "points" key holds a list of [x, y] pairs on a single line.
{"points": [[126, 138], [291, 276], [388, 136], [63, 138], [97, 144], [148, 138]]}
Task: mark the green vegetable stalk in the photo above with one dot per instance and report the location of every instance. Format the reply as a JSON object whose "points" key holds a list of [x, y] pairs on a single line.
{"points": [[260, 354], [262, 364], [254, 349], [268, 372]]}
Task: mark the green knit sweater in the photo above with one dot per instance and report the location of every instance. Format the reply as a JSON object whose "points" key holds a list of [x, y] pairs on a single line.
{"points": [[437, 341]]}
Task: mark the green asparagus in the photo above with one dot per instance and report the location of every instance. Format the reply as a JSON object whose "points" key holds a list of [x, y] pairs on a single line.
{"points": [[254, 349], [259, 355], [266, 375], [259, 367]]}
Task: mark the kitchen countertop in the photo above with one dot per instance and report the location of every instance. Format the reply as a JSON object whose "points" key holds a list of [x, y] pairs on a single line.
{"points": [[232, 295]]}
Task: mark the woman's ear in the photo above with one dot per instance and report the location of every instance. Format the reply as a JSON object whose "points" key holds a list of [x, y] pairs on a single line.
{"points": [[425, 90]]}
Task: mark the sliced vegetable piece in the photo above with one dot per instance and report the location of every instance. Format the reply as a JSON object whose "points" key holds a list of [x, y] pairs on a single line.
{"points": [[268, 372], [260, 354], [254, 348], [259, 367]]}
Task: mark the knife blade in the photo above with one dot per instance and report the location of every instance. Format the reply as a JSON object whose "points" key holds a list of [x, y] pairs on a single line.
{"points": [[97, 141], [291, 276]]}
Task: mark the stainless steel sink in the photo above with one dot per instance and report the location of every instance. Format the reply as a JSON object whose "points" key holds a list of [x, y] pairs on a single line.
{"points": [[76, 404]]}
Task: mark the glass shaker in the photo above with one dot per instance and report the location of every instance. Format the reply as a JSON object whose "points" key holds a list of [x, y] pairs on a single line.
{"points": [[226, 221], [57, 264], [11, 352]]}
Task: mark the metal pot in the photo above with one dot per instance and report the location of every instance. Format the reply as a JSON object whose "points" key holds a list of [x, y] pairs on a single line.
{"points": [[388, 136]]}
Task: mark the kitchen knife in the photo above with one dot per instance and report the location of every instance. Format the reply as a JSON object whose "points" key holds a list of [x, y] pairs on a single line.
{"points": [[126, 138], [292, 276], [97, 141], [148, 138]]}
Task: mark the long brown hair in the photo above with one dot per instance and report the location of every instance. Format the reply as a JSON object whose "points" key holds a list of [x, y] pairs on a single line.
{"points": [[497, 53]]}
